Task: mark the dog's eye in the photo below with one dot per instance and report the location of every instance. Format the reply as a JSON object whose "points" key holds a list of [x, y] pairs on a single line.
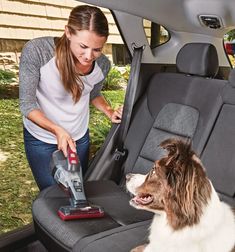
{"points": [[153, 171]]}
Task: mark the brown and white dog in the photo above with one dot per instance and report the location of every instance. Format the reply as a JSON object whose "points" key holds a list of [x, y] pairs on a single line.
{"points": [[189, 217]]}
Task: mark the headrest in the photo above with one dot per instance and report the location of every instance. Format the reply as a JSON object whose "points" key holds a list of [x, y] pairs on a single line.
{"points": [[231, 77], [198, 59]]}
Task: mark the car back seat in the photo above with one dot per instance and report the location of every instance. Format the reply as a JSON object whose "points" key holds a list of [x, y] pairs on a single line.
{"points": [[184, 104], [218, 156]]}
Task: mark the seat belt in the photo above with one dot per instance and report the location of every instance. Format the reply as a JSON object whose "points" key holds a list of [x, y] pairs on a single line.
{"points": [[121, 153]]}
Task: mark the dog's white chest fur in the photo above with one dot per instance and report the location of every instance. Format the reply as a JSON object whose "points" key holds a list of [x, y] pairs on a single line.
{"points": [[214, 233]]}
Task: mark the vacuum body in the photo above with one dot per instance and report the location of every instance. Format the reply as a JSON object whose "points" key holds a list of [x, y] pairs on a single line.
{"points": [[67, 172]]}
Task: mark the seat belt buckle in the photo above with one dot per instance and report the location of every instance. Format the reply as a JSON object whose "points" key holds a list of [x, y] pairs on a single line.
{"points": [[120, 154]]}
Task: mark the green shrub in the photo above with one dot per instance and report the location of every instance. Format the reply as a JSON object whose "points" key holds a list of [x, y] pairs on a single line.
{"points": [[114, 79], [231, 35], [6, 76], [126, 73], [99, 123]]}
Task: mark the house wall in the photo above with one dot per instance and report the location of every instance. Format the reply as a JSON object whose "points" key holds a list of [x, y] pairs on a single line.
{"points": [[22, 20]]}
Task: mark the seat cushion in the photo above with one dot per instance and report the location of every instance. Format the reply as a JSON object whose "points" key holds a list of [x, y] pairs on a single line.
{"points": [[115, 201], [121, 239], [218, 156]]}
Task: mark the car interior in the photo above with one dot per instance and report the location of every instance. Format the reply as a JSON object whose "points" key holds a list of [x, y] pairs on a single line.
{"points": [[185, 89]]}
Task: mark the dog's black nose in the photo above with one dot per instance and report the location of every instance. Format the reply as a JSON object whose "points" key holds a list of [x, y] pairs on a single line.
{"points": [[128, 176]]}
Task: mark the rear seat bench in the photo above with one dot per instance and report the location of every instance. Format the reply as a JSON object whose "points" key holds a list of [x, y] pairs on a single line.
{"points": [[184, 104]]}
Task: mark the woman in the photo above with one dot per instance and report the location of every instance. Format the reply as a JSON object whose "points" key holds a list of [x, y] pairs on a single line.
{"points": [[58, 79]]}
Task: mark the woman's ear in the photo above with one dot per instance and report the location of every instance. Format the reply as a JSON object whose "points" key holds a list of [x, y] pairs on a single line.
{"points": [[67, 32]]}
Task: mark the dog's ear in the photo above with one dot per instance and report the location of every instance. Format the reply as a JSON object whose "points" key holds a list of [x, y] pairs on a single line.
{"points": [[177, 149], [169, 145], [179, 156]]}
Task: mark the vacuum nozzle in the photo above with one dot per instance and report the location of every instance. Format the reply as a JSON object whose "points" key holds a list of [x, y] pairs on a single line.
{"points": [[71, 213]]}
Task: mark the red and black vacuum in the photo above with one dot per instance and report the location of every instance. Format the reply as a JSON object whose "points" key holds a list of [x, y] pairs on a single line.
{"points": [[67, 172]]}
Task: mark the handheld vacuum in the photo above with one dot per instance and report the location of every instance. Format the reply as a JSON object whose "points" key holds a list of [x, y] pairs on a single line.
{"points": [[67, 172]]}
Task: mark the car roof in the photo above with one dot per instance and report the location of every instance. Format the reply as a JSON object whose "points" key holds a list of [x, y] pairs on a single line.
{"points": [[178, 15], [182, 18]]}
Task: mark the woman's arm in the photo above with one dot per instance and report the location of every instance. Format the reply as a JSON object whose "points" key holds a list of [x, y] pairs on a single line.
{"points": [[96, 97], [29, 76], [101, 104]]}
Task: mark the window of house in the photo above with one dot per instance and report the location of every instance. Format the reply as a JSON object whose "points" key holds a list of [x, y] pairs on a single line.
{"points": [[120, 55], [155, 33]]}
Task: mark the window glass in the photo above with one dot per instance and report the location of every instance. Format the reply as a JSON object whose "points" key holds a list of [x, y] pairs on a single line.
{"points": [[155, 33], [229, 45]]}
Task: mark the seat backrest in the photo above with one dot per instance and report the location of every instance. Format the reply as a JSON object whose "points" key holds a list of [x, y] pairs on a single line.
{"points": [[183, 104], [219, 154]]}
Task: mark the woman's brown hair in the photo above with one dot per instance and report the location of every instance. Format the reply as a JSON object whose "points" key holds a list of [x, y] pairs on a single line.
{"points": [[82, 17]]}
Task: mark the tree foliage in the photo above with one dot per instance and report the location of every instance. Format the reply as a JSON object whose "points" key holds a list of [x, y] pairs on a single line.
{"points": [[231, 35], [7, 76]]}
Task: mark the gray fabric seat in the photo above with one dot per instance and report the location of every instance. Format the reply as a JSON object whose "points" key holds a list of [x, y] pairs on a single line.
{"points": [[218, 156], [184, 104]]}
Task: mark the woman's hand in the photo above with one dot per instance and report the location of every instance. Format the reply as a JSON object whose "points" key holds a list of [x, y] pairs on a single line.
{"points": [[64, 140], [116, 116], [63, 137]]}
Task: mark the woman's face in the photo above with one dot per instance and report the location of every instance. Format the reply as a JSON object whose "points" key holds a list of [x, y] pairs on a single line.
{"points": [[86, 46]]}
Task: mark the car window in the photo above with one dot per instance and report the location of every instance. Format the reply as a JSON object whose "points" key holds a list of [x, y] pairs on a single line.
{"points": [[18, 188], [229, 45], [155, 33]]}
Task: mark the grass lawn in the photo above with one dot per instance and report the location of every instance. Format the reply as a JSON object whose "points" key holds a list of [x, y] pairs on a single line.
{"points": [[17, 187]]}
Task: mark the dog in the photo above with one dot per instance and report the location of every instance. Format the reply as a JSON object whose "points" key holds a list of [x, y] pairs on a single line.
{"points": [[188, 214]]}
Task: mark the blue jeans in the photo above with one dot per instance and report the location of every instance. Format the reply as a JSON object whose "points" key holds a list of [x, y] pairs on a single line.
{"points": [[39, 155]]}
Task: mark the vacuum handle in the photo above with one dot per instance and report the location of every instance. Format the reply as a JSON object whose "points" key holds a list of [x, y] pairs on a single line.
{"points": [[73, 161], [75, 184]]}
